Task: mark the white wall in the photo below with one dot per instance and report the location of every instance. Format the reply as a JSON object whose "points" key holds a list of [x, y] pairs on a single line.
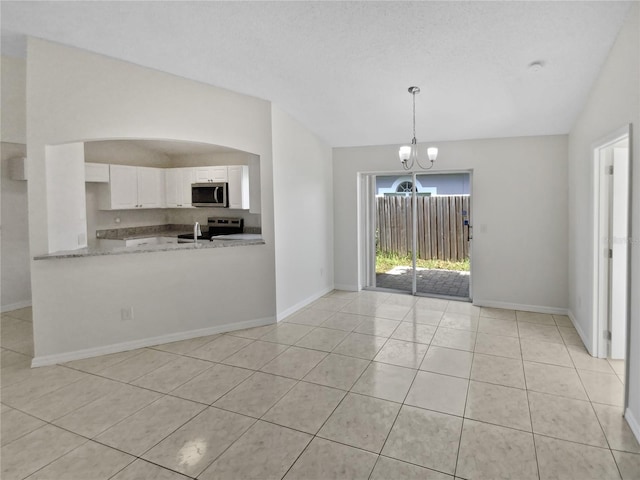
{"points": [[13, 120], [15, 283], [125, 153], [519, 208], [302, 182], [77, 96], [15, 261], [613, 102], [205, 159], [66, 208]]}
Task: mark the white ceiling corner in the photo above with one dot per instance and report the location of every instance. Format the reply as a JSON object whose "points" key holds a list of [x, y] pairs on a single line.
{"points": [[343, 68]]}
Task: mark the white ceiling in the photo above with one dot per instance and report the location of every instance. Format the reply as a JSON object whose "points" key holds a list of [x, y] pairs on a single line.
{"points": [[343, 68]]}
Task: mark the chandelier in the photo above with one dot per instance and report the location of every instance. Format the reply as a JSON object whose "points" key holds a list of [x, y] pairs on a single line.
{"points": [[409, 154]]}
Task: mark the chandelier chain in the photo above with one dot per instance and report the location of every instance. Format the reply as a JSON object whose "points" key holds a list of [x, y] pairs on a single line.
{"points": [[414, 115]]}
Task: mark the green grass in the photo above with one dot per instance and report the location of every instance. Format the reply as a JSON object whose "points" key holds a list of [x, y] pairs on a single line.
{"points": [[386, 261]]}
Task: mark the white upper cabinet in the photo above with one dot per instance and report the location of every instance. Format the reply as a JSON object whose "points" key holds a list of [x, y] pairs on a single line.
{"points": [[178, 187], [127, 187], [133, 187], [238, 187], [216, 174], [122, 190], [150, 187]]}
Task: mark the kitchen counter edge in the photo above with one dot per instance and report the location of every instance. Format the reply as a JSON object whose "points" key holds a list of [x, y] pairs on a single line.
{"points": [[98, 251]]}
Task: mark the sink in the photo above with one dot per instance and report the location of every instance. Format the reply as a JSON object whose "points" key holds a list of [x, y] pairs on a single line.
{"points": [[136, 242]]}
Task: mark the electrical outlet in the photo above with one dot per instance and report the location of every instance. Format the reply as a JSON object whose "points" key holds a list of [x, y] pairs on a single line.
{"points": [[126, 314]]}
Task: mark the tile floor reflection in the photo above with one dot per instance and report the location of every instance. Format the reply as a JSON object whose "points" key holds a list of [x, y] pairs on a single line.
{"points": [[365, 385]]}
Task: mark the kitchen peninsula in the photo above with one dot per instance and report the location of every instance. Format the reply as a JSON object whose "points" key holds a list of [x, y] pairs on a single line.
{"points": [[158, 247], [158, 238]]}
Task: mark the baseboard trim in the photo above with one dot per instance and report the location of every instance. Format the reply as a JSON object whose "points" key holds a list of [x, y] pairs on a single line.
{"points": [[300, 305], [41, 361], [633, 423], [346, 288], [588, 345], [15, 306], [521, 307]]}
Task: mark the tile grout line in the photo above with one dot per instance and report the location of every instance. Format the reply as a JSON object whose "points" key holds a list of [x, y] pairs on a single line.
{"points": [[524, 375], [315, 435], [350, 391], [466, 400], [596, 415], [399, 409]]}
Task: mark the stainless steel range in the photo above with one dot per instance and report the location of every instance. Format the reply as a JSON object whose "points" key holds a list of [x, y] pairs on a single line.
{"points": [[217, 227], [224, 226]]}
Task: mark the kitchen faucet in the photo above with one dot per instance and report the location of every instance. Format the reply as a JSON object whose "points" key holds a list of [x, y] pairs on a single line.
{"points": [[196, 232]]}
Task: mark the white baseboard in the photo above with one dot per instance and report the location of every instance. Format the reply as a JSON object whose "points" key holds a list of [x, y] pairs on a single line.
{"points": [[588, 345], [346, 288], [41, 361], [15, 306], [633, 423], [300, 305], [521, 307]]}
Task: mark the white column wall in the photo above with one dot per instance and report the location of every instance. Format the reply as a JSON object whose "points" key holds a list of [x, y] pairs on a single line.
{"points": [[519, 208], [614, 102], [15, 283], [67, 212], [302, 182]]}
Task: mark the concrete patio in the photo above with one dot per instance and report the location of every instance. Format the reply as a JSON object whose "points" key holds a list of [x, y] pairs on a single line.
{"points": [[437, 282]]}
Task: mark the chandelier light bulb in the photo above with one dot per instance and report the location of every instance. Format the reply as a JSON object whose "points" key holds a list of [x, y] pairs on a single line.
{"points": [[404, 153]]}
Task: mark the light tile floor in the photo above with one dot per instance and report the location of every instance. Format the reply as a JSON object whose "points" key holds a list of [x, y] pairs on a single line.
{"points": [[359, 385]]}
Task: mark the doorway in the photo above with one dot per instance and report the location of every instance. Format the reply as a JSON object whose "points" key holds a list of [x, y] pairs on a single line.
{"points": [[611, 247], [420, 233]]}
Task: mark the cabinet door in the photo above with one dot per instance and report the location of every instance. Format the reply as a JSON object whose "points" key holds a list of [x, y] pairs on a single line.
{"points": [[150, 187], [238, 187], [203, 175], [219, 174], [187, 177], [172, 183], [123, 187]]}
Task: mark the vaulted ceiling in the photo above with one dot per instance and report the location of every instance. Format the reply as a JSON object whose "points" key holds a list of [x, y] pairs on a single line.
{"points": [[343, 68]]}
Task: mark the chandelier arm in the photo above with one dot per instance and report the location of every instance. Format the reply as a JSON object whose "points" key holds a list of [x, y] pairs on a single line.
{"points": [[424, 168]]}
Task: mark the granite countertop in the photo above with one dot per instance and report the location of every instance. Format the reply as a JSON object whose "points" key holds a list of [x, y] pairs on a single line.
{"points": [[201, 245]]}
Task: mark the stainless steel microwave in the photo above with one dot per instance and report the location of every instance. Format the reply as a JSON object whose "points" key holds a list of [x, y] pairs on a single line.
{"points": [[209, 195]]}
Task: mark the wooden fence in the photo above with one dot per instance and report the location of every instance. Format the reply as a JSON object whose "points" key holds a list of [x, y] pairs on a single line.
{"points": [[441, 233]]}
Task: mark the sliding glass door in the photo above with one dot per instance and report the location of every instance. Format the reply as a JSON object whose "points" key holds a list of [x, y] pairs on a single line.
{"points": [[421, 229]]}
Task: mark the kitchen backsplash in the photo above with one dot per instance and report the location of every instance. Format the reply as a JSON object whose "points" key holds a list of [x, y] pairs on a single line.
{"points": [[127, 232]]}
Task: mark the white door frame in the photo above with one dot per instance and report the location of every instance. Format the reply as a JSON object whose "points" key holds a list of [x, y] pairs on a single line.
{"points": [[368, 242], [601, 244]]}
